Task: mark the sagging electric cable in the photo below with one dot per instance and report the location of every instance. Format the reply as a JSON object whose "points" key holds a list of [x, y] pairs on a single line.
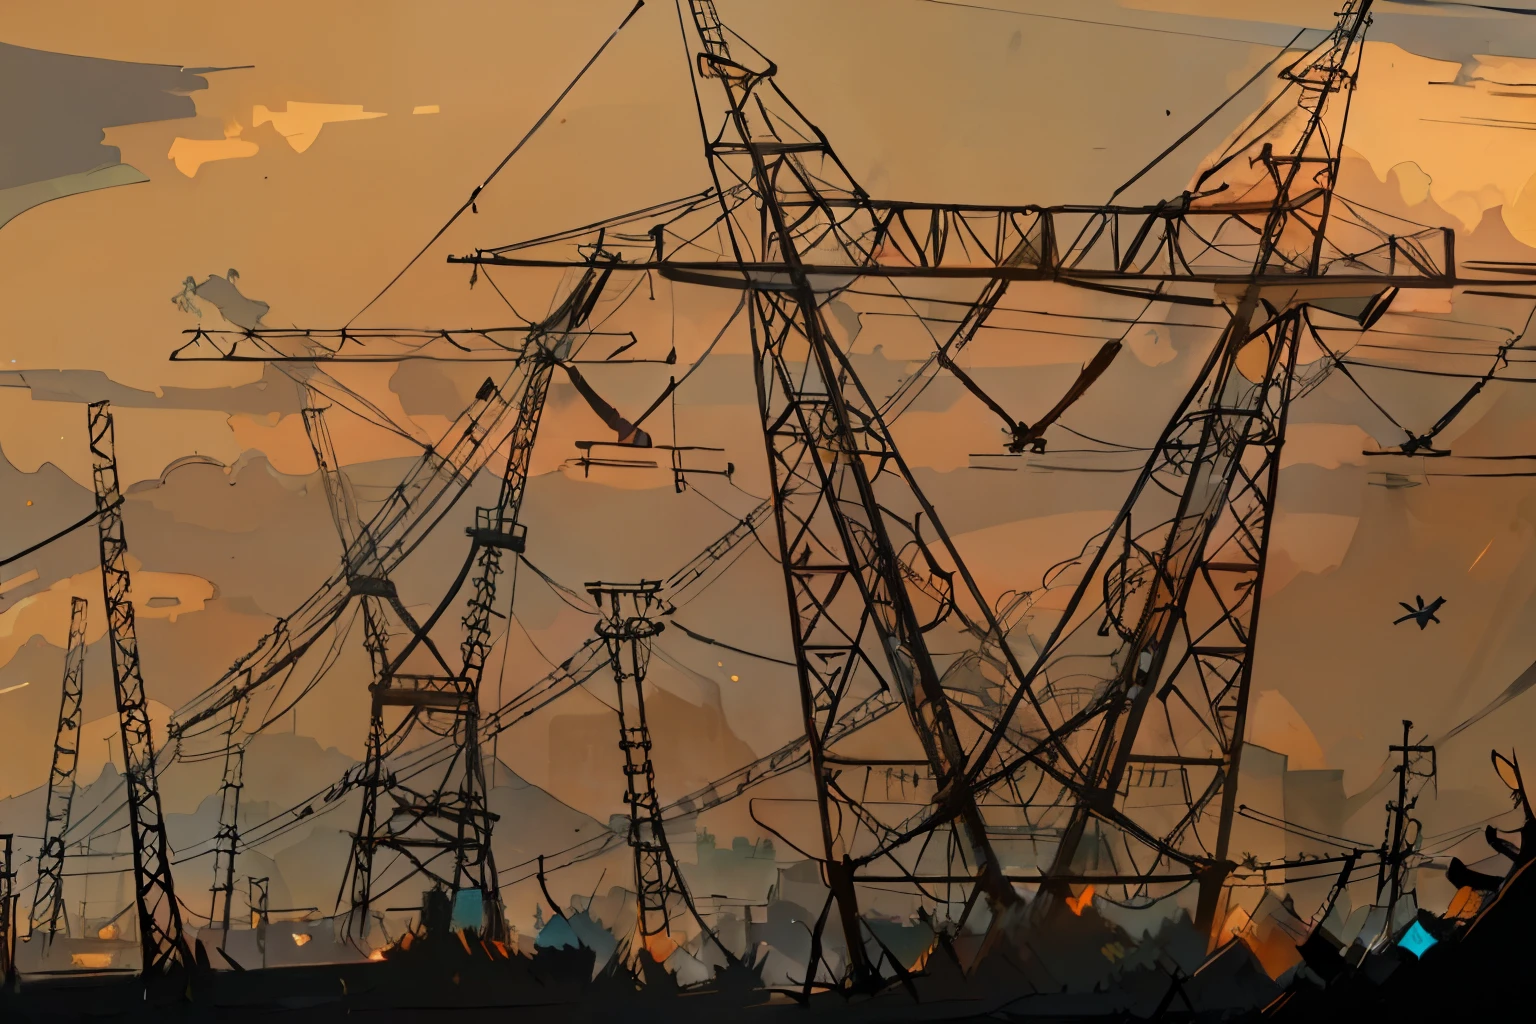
{"points": [[475, 195]]}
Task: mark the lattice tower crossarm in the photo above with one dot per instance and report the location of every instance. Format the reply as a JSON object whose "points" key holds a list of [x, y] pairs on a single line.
{"points": [[409, 513], [48, 912], [163, 944]]}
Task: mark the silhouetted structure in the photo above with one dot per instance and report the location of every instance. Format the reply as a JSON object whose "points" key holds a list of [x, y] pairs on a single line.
{"points": [[48, 898], [164, 947]]}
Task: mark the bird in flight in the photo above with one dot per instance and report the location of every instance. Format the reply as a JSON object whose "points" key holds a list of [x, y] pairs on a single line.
{"points": [[1424, 614]]}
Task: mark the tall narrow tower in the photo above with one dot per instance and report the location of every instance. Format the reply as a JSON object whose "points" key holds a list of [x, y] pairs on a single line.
{"points": [[163, 944], [627, 627], [48, 898]]}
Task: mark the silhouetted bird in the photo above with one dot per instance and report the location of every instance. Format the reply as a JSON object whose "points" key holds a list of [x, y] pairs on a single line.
{"points": [[1424, 614]]}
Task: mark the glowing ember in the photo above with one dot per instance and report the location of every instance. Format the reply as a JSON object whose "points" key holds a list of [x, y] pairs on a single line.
{"points": [[660, 947]]}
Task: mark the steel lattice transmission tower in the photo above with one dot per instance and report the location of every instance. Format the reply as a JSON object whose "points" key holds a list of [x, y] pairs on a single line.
{"points": [[452, 819], [161, 940], [1146, 642], [374, 593], [854, 622], [629, 621], [48, 898], [226, 841], [426, 821], [1048, 751], [1180, 572], [796, 230]]}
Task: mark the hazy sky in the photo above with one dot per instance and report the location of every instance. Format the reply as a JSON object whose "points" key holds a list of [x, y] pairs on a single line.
{"points": [[317, 172]]}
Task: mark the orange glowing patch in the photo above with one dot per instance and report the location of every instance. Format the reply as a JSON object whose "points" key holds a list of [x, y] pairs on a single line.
{"points": [[660, 947], [191, 154], [1080, 901], [1464, 905], [300, 123]]}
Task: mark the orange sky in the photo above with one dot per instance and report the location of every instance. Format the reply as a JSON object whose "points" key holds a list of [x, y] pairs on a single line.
{"points": [[318, 172]]}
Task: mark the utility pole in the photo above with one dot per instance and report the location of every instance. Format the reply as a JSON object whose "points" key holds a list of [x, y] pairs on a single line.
{"points": [[164, 946], [7, 913], [256, 896], [48, 898], [1396, 854]]}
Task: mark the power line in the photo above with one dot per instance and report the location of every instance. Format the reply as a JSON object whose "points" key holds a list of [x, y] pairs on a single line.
{"points": [[473, 196]]}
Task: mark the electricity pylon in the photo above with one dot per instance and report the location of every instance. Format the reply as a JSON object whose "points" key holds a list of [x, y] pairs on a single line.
{"points": [[48, 898], [794, 230], [163, 945]]}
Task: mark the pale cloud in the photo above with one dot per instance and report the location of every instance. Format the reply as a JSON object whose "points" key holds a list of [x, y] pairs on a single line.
{"points": [[155, 595], [18, 581], [190, 154], [426, 108], [1412, 183], [1465, 143], [300, 123], [147, 439]]}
